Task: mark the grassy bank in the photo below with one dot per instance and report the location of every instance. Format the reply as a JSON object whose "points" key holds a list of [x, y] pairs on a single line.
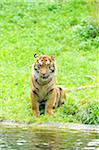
{"points": [[68, 30]]}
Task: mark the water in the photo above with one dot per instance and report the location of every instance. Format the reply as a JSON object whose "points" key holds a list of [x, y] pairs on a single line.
{"points": [[38, 138]]}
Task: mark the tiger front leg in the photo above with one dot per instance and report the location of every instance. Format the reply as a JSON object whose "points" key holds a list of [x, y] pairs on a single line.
{"points": [[35, 105], [50, 103]]}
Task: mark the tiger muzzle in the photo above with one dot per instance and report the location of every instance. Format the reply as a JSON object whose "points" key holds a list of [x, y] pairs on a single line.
{"points": [[44, 76]]}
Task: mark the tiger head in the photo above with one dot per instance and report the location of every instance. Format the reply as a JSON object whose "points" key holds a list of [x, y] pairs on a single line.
{"points": [[44, 66]]}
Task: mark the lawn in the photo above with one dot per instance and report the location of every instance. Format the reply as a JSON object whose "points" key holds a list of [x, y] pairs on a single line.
{"points": [[67, 29]]}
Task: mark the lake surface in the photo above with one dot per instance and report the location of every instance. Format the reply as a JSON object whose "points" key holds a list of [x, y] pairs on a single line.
{"points": [[38, 138]]}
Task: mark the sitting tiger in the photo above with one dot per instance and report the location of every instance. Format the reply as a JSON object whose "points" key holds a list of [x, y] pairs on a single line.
{"points": [[43, 90]]}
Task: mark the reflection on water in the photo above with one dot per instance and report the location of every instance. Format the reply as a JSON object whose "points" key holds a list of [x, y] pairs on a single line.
{"points": [[47, 139]]}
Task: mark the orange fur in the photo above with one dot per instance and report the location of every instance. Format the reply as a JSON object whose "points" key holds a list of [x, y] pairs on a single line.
{"points": [[43, 89]]}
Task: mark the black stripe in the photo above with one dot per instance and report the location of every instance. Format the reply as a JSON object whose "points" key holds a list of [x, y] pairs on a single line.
{"points": [[48, 92], [35, 93], [43, 101], [57, 96], [38, 82], [60, 96], [35, 87], [59, 102], [51, 90], [36, 68], [53, 70], [60, 88]]}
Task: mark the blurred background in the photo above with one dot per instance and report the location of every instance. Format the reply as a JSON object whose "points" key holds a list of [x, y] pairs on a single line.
{"points": [[67, 29]]}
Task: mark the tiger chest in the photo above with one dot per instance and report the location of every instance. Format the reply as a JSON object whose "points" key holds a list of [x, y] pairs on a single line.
{"points": [[43, 93]]}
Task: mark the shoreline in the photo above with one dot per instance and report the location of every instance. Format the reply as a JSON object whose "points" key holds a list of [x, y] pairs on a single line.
{"points": [[51, 125]]}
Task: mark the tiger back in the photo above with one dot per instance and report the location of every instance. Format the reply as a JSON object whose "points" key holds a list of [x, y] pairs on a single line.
{"points": [[43, 90]]}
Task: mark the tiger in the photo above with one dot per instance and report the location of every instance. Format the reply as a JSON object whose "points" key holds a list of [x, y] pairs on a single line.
{"points": [[43, 89]]}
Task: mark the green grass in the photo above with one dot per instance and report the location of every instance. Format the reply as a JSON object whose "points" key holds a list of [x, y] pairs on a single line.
{"points": [[66, 29]]}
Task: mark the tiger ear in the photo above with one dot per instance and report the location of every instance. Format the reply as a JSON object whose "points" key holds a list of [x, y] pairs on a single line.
{"points": [[35, 55], [53, 58]]}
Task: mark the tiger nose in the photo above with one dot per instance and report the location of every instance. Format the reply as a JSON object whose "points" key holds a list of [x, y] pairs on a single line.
{"points": [[43, 74]]}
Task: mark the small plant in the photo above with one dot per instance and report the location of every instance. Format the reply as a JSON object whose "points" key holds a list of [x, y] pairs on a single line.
{"points": [[70, 108], [89, 114], [87, 30]]}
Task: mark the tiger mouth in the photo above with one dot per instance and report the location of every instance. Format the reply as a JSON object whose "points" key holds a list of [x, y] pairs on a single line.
{"points": [[45, 77]]}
